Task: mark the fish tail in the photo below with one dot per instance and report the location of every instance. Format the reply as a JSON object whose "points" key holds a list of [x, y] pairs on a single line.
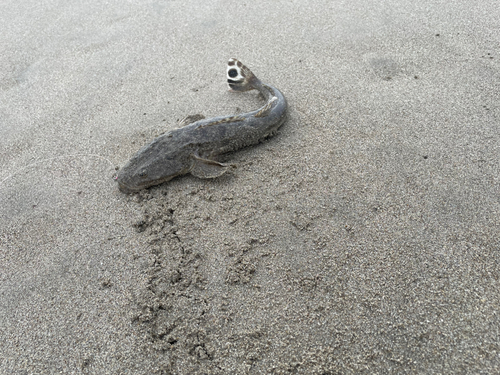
{"points": [[240, 78]]}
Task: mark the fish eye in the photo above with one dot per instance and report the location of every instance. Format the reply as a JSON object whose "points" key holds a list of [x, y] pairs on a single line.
{"points": [[143, 174], [232, 73]]}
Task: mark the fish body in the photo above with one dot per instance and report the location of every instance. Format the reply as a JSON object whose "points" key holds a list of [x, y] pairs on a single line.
{"points": [[192, 147]]}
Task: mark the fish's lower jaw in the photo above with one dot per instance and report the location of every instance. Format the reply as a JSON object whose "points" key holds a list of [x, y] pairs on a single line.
{"points": [[125, 189]]}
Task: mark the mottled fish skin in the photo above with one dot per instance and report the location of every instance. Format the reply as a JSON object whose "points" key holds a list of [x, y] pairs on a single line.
{"points": [[191, 148]]}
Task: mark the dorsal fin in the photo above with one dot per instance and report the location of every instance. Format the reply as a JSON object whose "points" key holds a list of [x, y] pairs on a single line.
{"points": [[190, 119], [239, 77], [264, 111]]}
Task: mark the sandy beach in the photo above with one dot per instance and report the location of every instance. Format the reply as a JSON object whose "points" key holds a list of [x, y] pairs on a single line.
{"points": [[363, 238]]}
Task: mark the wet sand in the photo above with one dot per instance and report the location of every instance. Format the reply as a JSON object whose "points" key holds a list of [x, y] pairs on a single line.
{"points": [[362, 238]]}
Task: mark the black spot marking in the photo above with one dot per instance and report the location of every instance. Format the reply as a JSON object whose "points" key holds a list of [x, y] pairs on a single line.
{"points": [[231, 63], [232, 73]]}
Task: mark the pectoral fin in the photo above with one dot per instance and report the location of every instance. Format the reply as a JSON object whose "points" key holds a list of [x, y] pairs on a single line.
{"points": [[206, 168]]}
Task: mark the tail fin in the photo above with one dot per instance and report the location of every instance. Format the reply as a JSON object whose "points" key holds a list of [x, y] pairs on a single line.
{"points": [[239, 77]]}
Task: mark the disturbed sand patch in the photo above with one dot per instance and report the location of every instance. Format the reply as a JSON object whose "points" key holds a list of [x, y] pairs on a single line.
{"points": [[300, 275]]}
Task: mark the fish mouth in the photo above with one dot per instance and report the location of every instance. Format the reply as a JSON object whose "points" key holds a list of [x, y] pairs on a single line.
{"points": [[127, 189], [124, 188]]}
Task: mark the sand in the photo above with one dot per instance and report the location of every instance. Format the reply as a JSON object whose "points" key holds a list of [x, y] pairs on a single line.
{"points": [[362, 238]]}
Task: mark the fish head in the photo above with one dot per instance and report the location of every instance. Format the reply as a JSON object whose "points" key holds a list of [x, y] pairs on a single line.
{"points": [[154, 164]]}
